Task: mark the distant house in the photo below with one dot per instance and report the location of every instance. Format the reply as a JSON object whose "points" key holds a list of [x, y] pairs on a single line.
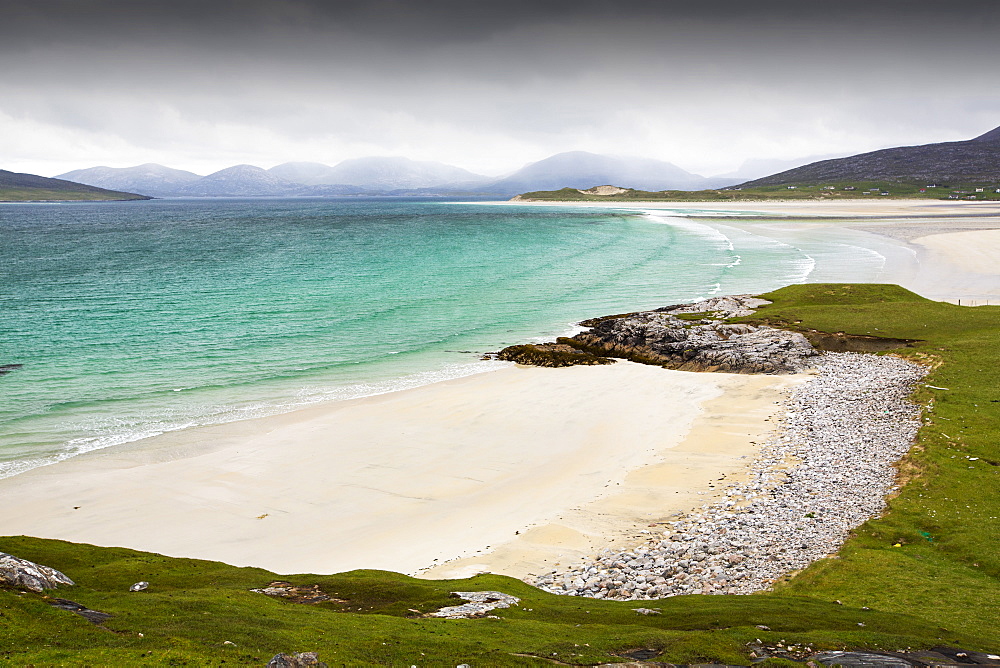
{"points": [[979, 190], [883, 193], [923, 190], [792, 187], [997, 190], [849, 188]]}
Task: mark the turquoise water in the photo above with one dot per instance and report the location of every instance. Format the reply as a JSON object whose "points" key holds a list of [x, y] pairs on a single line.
{"points": [[131, 319]]}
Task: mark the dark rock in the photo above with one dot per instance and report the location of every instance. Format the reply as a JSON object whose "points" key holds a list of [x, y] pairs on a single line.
{"points": [[550, 355], [7, 368], [29, 575], [296, 660], [861, 659], [94, 616], [965, 656]]}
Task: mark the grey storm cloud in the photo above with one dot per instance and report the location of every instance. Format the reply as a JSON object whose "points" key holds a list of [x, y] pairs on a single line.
{"points": [[705, 82]]}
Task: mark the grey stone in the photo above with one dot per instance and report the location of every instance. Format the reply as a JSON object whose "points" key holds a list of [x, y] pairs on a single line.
{"points": [[29, 575], [299, 660]]}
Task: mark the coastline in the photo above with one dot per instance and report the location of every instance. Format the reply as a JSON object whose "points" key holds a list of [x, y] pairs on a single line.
{"points": [[508, 471], [403, 480], [942, 266]]}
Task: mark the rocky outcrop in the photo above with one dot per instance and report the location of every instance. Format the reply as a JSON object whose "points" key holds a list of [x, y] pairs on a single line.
{"points": [[676, 338], [550, 355], [665, 338], [708, 345], [26, 574]]}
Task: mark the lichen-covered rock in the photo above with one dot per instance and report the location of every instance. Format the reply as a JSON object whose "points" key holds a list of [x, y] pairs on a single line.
{"points": [[29, 575]]}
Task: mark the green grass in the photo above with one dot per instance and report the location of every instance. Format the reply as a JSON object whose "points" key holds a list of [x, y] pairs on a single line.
{"points": [[947, 519], [47, 195], [863, 190], [942, 585]]}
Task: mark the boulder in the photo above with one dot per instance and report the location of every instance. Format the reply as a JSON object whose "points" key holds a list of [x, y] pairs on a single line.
{"points": [[26, 574]]}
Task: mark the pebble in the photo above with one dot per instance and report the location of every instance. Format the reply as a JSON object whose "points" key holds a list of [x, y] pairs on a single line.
{"points": [[827, 470]]}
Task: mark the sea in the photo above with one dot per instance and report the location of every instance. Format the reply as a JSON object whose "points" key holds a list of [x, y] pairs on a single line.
{"points": [[124, 320]]}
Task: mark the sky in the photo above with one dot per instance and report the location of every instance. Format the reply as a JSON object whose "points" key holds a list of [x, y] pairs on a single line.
{"points": [[706, 84]]}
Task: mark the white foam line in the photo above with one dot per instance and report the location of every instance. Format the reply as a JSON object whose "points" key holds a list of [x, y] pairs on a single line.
{"points": [[220, 414]]}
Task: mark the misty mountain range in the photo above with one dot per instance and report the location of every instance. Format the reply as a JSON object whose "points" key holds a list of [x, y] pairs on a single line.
{"points": [[393, 176], [973, 159]]}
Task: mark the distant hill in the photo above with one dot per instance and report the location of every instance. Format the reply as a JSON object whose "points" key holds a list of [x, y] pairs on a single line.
{"points": [[149, 179], [380, 173], [306, 173], [992, 135], [579, 169], [240, 181], [975, 160], [15, 187], [756, 168]]}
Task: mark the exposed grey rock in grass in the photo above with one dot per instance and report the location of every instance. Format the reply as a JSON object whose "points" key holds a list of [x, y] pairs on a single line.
{"points": [[480, 602], [826, 471], [29, 575], [299, 660], [727, 306]]}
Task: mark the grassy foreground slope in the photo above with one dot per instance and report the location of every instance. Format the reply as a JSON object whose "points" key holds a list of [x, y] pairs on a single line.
{"points": [[941, 585]]}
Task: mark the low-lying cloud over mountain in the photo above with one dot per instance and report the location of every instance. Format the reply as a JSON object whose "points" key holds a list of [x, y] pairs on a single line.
{"points": [[203, 84], [150, 179]]}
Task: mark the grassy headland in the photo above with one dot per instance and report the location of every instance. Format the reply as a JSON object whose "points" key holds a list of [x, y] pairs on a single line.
{"points": [[826, 191], [15, 187], [928, 569]]}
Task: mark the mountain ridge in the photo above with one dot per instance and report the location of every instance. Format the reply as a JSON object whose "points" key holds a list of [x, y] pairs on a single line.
{"points": [[971, 160], [149, 178]]}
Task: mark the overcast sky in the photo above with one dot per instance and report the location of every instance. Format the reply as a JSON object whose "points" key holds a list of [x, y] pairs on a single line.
{"points": [[705, 84]]}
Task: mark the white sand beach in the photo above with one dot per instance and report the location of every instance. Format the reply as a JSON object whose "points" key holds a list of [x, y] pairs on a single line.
{"points": [[848, 208], [563, 457]]}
